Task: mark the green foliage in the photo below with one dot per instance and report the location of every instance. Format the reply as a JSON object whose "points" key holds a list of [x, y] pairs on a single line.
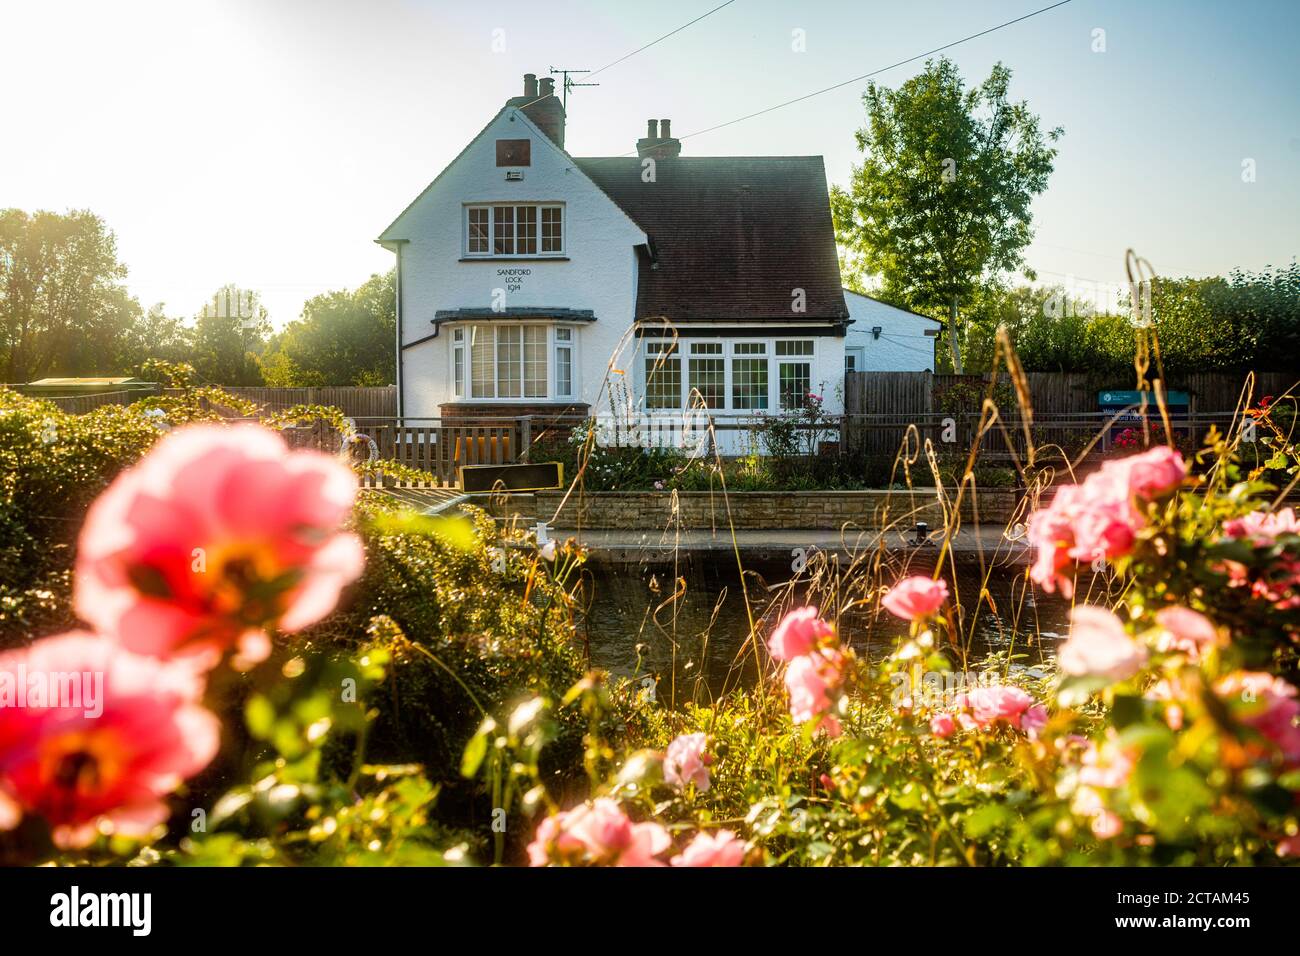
{"points": [[1244, 322], [52, 466], [942, 198], [343, 338], [63, 306]]}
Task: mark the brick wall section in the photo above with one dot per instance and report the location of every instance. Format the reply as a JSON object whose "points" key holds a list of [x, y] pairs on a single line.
{"points": [[651, 510]]}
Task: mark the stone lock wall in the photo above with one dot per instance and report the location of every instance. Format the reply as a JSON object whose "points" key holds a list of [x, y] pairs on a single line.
{"points": [[758, 510]]}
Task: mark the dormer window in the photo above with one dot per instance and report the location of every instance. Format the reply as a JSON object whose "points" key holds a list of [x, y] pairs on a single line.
{"points": [[534, 229]]}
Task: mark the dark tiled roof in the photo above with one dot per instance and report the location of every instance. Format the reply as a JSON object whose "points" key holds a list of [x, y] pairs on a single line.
{"points": [[733, 236]]}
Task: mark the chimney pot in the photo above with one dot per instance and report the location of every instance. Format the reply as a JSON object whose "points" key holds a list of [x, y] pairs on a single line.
{"points": [[530, 85], [665, 129], [546, 86], [651, 129]]}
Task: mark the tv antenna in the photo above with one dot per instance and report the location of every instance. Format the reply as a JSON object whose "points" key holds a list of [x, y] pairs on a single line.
{"points": [[568, 84]]}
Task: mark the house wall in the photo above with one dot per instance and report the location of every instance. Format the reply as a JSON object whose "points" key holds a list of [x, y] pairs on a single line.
{"points": [[903, 345], [599, 272]]}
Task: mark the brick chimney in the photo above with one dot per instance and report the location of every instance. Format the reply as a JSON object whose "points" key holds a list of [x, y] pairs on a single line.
{"points": [[540, 104], [658, 141]]}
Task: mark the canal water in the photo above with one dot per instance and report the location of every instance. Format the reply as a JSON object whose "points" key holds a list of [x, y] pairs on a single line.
{"points": [[687, 624]]}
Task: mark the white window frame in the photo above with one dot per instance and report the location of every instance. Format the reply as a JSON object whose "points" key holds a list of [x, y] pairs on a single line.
{"points": [[462, 337], [729, 356], [491, 208]]}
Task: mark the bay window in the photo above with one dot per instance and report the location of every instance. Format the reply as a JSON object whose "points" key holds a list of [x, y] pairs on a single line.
{"points": [[506, 361], [533, 229]]}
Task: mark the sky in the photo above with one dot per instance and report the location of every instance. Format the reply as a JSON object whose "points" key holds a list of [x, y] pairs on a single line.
{"points": [[268, 142]]}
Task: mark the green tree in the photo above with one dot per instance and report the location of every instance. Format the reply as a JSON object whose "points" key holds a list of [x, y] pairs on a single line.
{"points": [[343, 338], [941, 201], [229, 337], [63, 307]]}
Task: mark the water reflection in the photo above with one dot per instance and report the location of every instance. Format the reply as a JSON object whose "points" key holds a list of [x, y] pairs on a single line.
{"points": [[642, 620]]}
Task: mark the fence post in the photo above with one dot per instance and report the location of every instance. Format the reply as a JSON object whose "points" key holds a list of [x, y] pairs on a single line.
{"points": [[525, 437]]}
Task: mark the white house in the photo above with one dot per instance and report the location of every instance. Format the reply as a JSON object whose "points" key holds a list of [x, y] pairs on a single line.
{"points": [[529, 281], [885, 338]]}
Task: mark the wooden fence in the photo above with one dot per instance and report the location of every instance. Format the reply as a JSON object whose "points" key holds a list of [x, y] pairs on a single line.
{"points": [[354, 401], [880, 406], [438, 448]]}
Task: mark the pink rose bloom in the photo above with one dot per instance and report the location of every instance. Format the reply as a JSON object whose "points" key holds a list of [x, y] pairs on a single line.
{"points": [[720, 849], [599, 833], [1033, 720], [797, 634], [1186, 632], [218, 533], [1263, 527], [1155, 472], [1108, 766], [100, 761], [685, 762], [999, 702], [915, 598], [810, 681], [1268, 705], [1099, 646], [942, 725], [1097, 519]]}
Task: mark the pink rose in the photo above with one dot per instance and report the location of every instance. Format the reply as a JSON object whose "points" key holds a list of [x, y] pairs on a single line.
{"points": [[942, 725], [720, 849], [1099, 646], [216, 534], [1262, 527], [999, 702], [1108, 766], [1185, 631], [685, 762], [1268, 705], [915, 597], [797, 634], [1033, 720], [599, 833], [100, 760], [810, 681], [1154, 473]]}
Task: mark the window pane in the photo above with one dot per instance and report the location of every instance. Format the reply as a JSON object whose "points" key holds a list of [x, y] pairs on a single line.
{"points": [[564, 371], [850, 362], [534, 361], [709, 378], [503, 230], [458, 376], [748, 382], [663, 376], [563, 335], [749, 348], [478, 230], [795, 348], [509, 360], [552, 240], [482, 374], [526, 230], [795, 379], [706, 348]]}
